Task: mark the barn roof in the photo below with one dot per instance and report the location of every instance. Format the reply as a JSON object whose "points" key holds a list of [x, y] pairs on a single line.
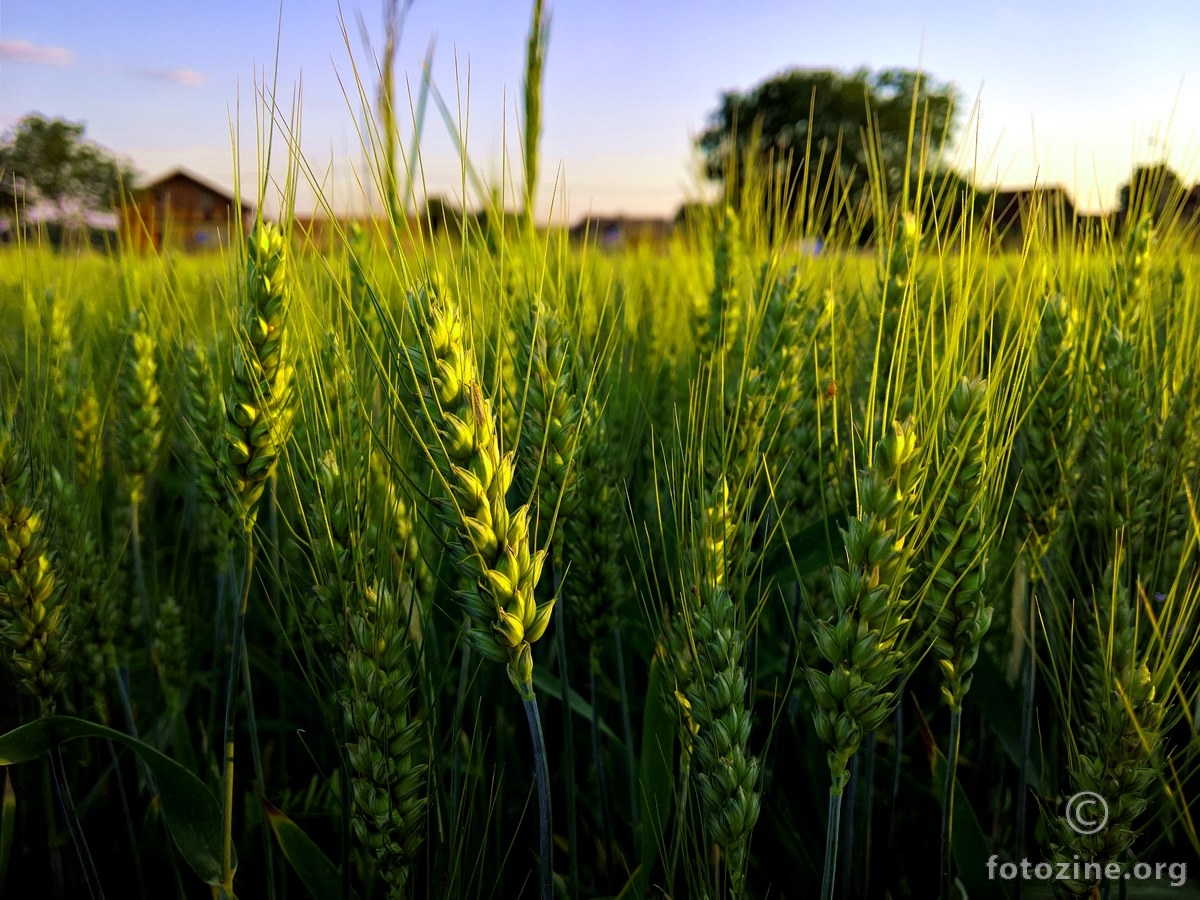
{"points": [[1054, 193], [199, 181], [1010, 204]]}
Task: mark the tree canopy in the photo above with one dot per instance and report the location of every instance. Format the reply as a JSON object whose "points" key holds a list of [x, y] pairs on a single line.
{"points": [[1154, 190], [819, 133], [49, 161]]}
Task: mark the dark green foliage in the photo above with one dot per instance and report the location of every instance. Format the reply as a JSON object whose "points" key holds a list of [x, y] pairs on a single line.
{"points": [[812, 124], [48, 160]]}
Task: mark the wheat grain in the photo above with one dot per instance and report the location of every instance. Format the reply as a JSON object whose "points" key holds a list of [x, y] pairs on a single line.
{"points": [[863, 657], [491, 543], [34, 618], [139, 423], [260, 404], [362, 623], [1119, 757], [956, 552]]}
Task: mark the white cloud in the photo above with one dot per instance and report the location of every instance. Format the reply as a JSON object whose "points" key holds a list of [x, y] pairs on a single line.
{"points": [[23, 51], [189, 77]]}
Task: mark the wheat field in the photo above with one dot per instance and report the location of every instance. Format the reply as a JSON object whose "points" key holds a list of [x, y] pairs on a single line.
{"points": [[497, 565]]}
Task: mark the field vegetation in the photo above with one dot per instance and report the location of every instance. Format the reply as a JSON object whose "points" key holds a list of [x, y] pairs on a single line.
{"points": [[493, 565]]}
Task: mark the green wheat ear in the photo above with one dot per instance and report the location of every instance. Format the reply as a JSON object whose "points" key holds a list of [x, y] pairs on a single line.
{"points": [[96, 618], [727, 774], [34, 620], [955, 553], [260, 405], [362, 623], [1119, 754], [203, 413], [62, 368], [706, 646], [595, 538], [1047, 448], [491, 543], [139, 425], [1164, 542], [87, 436], [863, 658], [553, 411]]}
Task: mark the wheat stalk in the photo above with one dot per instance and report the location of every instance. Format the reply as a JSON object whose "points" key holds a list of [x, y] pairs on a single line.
{"points": [[260, 404], [258, 419], [490, 543], [360, 619], [1120, 756], [861, 647], [34, 618]]}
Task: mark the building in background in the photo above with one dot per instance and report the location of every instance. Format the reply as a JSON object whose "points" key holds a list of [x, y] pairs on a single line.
{"points": [[324, 234], [622, 232], [1189, 212], [182, 211], [1015, 213]]}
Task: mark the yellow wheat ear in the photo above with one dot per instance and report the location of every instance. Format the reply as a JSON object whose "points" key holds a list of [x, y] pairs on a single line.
{"points": [[34, 622], [260, 404], [491, 541]]}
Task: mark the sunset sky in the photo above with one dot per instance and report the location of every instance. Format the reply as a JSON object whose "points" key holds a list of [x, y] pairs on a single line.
{"points": [[1066, 93]]}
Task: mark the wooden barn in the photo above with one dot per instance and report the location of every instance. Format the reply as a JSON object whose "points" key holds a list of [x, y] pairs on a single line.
{"points": [[1189, 212], [622, 232], [1014, 213], [321, 233], [182, 211]]}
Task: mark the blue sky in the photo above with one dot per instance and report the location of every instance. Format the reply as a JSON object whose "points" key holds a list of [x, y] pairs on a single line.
{"points": [[1054, 91]]}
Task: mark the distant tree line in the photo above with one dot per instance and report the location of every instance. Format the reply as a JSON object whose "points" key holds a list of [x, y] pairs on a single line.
{"points": [[827, 148], [47, 166], [828, 152], [822, 151]]}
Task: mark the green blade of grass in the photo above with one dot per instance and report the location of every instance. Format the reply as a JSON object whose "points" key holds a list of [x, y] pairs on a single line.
{"points": [[657, 784], [452, 129], [414, 147], [314, 869], [8, 824], [807, 550], [1003, 717], [192, 813], [544, 684], [971, 850]]}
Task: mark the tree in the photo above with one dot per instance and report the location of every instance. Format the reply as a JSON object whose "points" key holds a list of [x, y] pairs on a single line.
{"points": [[48, 161], [1154, 190], [809, 131], [949, 198], [440, 215], [692, 213]]}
